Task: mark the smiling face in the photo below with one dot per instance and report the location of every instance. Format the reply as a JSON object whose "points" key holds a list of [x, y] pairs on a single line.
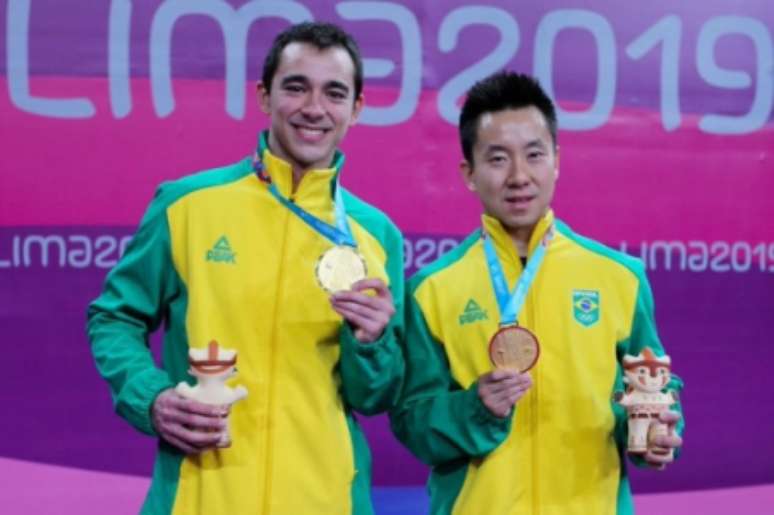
{"points": [[311, 104], [650, 379], [514, 168]]}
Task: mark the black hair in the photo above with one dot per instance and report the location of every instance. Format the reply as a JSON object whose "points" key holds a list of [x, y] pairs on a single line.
{"points": [[321, 35], [497, 92]]}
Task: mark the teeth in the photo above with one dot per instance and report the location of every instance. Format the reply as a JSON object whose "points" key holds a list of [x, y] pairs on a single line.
{"points": [[311, 133]]}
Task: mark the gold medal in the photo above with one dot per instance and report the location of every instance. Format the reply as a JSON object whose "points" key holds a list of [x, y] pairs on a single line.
{"points": [[339, 268], [514, 347]]}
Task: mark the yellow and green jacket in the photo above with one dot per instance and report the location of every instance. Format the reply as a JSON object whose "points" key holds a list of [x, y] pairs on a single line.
{"points": [[561, 450], [217, 257]]}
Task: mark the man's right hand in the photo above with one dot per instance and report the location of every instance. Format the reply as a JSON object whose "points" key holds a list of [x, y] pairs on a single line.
{"points": [[500, 389], [190, 426]]}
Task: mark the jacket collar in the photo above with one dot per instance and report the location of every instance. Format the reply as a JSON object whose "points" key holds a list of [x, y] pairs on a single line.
{"points": [[502, 240], [316, 183]]}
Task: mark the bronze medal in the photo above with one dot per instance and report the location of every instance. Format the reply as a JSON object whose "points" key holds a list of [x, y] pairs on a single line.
{"points": [[339, 268], [514, 347]]}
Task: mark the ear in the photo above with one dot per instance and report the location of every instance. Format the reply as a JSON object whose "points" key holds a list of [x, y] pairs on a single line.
{"points": [[263, 97], [359, 103], [466, 172], [556, 163]]}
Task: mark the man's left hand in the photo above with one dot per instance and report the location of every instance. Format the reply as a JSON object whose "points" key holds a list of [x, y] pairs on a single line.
{"points": [[658, 455], [369, 315]]}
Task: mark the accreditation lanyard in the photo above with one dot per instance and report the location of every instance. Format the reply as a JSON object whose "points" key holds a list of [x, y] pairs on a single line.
{"points": [[340, 234], [510, 303]]}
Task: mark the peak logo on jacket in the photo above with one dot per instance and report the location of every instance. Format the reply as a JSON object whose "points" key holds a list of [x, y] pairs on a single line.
{"points": [[221, 252], [472, 313]]}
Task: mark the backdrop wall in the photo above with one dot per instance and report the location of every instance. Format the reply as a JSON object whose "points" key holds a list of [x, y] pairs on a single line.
{"points": [[666, 153]]}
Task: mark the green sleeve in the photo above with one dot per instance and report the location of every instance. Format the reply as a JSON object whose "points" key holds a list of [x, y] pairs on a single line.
{"points": [[435, 418], [644, 334], [372, 373], [130, 307]]}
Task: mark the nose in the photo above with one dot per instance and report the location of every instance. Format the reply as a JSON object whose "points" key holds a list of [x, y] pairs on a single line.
{"points": [[313, 107], [519, 173]]}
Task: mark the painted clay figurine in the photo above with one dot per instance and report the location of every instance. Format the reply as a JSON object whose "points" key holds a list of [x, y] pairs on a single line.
{"points": [[212, 367], [646, 376]]}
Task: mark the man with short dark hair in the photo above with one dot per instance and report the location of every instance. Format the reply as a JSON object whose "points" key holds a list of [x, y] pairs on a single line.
{"points": [[514, 340], [272, 258]]}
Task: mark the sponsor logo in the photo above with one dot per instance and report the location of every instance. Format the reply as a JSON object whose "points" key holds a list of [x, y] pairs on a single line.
{"points": [[221, 252], [472, 313]]}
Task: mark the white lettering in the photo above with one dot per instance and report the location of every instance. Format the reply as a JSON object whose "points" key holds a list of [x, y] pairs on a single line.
{"points": [[604, 99], [119, 58], [79, 257], [43, 242], [701, 256], [720, 251], [698, 260], [709, 70], [18, 74], [411, 57], [408, 254], [103, 248], [448, 35], [669, 31], [668, 249], [234, 24]]}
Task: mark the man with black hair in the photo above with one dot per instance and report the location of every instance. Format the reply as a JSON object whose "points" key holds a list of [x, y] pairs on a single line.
{"points": [[514, 339], [270, 257]]}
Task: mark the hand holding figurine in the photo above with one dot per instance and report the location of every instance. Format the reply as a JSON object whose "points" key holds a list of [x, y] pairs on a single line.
{"points": [[651, 422], [190, 426], [661, 447], [212, 367]]}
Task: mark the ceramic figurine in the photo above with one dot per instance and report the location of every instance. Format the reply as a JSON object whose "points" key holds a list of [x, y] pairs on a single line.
{"points": [[646, 375], [212, 367]]}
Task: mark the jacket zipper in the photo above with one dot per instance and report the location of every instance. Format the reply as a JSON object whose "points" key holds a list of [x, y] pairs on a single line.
{"points": [[272, 369], [535, 415]]}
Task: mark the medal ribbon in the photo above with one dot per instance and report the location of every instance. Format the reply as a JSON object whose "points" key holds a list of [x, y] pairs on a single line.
{"points": [[339, 235], [510, 303]]}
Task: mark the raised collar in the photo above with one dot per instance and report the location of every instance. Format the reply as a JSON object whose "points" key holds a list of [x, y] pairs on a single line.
{"points": [[502, 240], [315, 183]]}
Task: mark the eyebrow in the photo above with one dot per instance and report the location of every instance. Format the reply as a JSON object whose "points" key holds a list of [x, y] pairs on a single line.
{"points": [[305, 80], [535, 143], [337, 84], [495, 148], [294, 78]]}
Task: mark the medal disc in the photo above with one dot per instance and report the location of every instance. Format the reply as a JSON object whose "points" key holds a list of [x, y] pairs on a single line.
{"points": [[339, 268], [514, 347]]}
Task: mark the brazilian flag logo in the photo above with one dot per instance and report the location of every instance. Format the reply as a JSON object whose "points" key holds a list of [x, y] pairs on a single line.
{"points": [[585, 306]]}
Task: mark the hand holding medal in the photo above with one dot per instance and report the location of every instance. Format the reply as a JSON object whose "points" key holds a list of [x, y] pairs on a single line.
{"points": [[500, 389], [368, 314], [341, 271]]}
